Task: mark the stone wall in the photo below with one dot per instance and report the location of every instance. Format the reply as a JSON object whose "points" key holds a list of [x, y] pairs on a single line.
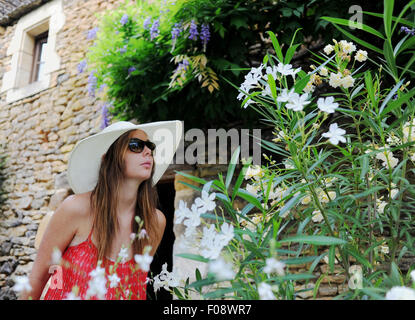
{"points": [[38, 134]]}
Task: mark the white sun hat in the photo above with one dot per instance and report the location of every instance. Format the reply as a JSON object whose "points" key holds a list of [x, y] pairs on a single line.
{"points": [[85, 158]]}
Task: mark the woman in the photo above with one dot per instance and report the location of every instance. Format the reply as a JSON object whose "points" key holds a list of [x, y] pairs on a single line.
{"points": [[113, 175]]}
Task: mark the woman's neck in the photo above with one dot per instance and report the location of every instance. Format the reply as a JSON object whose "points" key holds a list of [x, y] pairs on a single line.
{"points": [[127, 198]]}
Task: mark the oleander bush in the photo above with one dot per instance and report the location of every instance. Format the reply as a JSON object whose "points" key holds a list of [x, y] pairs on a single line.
{"points": [[344, 187], [163, 60]]}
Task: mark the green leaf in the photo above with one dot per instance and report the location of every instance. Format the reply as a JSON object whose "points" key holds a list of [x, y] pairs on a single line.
{"points": [[398, 103], [193, 178], [276, 45], [387, 14], [332, 256], [359, 41], [231, 167], [317, 240], [390, 58], [249, 197], [358, 257], [191, 256], [390, 95], [360, 26], [291, 203]]}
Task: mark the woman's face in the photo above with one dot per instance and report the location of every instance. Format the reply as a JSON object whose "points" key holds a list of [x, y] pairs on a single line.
{"points": [[138, 165]]}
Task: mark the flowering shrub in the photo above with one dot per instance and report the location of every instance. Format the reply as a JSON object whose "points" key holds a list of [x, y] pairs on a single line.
{"points": [[155, 59], [344, 184]]}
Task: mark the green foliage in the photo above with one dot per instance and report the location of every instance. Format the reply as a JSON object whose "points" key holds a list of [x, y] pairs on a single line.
{"points": [[395, 47], [199, 95]]}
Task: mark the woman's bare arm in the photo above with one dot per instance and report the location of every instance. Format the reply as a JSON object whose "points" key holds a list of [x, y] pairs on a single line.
{"points": [[59, 233], [161, 225]]}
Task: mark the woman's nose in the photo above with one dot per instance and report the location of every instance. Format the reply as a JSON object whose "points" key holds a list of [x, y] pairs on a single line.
{"points": [[147, 151]]}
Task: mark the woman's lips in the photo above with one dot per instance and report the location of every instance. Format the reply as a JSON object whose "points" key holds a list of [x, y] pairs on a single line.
{"points": [[146, 164]]}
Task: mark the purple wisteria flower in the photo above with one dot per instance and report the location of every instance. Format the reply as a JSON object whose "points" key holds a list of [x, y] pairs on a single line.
{"points": [[176, 31], [146, 24], [154, 30], [131, 69], [193, 31], [92, 34], [105, 121], [123, 49], [408, 31], [183, 66], [205, 35], [92, 84], [81, 66], [124, 19]]}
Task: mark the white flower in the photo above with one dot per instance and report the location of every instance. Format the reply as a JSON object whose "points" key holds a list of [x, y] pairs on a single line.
{"points": [[272, 265], [323, 71], [297, 102], [327, 104], [408, 130], [272, 71], [347, 47], [400, 293], [361, 55], [309, 87], [132, 236], [72, 296], [347, 81], [143, 261], [328, 49], [143, 234], [252, 189], [206, 202], [212, 243], [182, 212], [265, 292], [56, 256], [380, 205], [227, 233], [285, 95], [317, 216], [394, 193], [114, 280], [123, 254], [287, 70], [335, 134], [255, 172], [22, 284], [324, 198], [336, 79], [97, 283], [221, 270], [165, 279], [413, 275], [384, 249], [289, 164], [385, 156], [356, 279]]}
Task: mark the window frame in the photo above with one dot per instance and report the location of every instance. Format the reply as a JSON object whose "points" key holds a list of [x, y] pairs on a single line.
{"points": [[39, 41]]}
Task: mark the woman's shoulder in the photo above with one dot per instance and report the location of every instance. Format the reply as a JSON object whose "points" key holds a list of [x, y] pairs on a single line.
{"points": [[77, 205]]}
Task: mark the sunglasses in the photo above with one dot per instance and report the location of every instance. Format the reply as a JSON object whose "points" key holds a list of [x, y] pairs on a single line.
{"points": [[137, 145]]}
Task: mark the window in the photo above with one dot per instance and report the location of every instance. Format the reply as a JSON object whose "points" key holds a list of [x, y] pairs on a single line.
{"points": [[32, 51], [38, 65]]}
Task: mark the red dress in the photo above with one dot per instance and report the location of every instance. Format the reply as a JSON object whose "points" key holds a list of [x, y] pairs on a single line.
{"points": [[79, 260]]}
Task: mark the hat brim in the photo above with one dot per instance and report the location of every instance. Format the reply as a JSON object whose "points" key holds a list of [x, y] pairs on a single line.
{"points": [[85, 159]]}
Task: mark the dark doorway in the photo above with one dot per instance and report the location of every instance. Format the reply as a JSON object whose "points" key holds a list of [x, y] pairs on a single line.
{"points": [[164, 253]]}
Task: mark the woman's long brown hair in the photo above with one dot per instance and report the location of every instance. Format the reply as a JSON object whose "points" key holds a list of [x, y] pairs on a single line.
{"points": [[104, 198]]}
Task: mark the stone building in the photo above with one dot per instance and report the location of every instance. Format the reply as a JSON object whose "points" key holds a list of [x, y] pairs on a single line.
{"points": [[45, 110]]}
